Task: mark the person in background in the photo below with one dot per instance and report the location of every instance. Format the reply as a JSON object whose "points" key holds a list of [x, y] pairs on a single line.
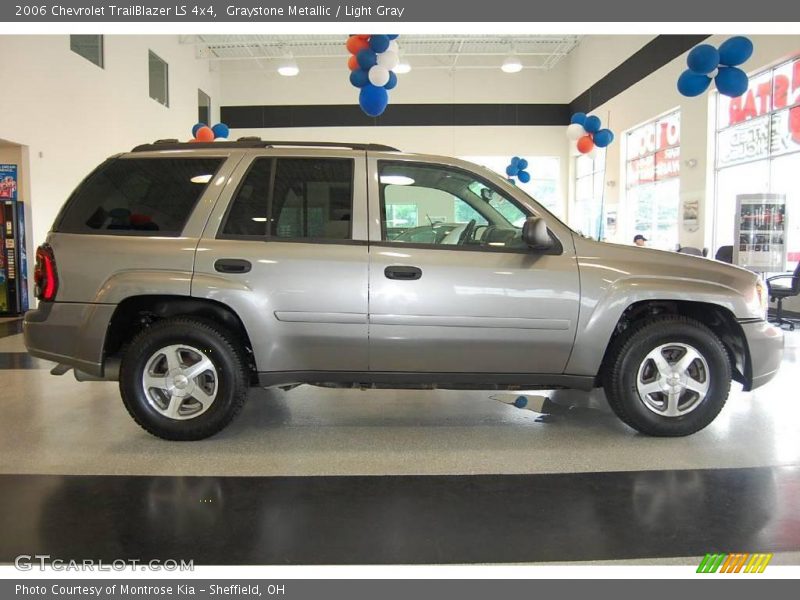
{"points": [[639, 240]]}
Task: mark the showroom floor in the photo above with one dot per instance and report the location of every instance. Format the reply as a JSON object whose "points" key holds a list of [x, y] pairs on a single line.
{"points": [[346, 476]]}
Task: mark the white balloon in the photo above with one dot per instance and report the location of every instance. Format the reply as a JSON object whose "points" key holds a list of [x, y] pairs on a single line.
{"points": [[592, 153], [575, 130], [379, 76], [388, 60], [393, 47]]}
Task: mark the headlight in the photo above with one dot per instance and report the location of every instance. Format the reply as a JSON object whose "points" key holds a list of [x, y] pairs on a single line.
{"points": [[763, 297]]}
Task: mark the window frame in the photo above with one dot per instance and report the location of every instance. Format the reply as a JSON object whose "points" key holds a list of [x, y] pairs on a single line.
{"points": [[202, 95], [557, 248], [150, 56], [102, 53], [221, 235]]}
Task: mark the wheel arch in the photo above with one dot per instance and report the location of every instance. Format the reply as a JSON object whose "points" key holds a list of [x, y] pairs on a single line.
{"points": [[135, 313], [718, 319]]}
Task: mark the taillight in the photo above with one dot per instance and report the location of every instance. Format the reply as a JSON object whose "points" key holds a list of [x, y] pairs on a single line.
{"points": [[45, 276]]}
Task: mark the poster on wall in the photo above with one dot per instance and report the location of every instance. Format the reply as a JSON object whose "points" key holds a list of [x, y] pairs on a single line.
{"points": [[760, 232], [8, 182]]}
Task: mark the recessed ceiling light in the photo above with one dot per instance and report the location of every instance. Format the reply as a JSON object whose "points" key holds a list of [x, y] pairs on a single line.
{"points": [[511, 65], [402, 67], [288, 68]]}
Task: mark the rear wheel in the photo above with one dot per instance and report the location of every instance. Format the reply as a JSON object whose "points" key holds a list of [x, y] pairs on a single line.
{"points": [[183, 379], [668, 376]]}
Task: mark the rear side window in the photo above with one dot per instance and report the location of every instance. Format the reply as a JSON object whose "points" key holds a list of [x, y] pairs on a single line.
{"points": [[138, 196], [293, 198]]}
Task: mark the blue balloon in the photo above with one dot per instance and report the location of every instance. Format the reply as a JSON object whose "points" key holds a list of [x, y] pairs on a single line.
{"points": [[703, 59], [359, 78], [512, 170], [592, 124], [735, 51], [392, 36], [221, 130], [366, 59], [392, 83], [515, 160], [511, 181], [693, 84], [731, 81], [522, 164], [578, 117], [603, 138], [373, 100], [379, 43], [524, 176], [196, 127], [521, 402]]}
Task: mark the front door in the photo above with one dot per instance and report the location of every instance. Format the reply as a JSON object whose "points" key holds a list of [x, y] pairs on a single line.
{"points": [[453, 289]]}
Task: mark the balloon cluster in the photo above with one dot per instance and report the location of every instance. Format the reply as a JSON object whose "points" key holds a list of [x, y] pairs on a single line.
{"points": [[203, 133], [588, 133], [707, 62], [516, 168], [372, 61]]}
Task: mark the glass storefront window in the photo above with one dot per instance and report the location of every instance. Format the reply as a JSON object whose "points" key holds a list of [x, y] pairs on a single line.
{"points": [[586, 215], [652, 167], [758, 151]]}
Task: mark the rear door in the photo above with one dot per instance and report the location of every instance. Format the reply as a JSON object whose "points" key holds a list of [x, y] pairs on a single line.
{"points": [[453, 289], [286, 249]]}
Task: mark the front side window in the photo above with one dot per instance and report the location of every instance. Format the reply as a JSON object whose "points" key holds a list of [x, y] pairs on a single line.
{"points": [[138, 196], [293, 198], [442, 206]]}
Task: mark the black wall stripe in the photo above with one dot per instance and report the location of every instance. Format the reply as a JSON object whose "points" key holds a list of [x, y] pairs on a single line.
{"points": [[654, 55], [350, 115]]}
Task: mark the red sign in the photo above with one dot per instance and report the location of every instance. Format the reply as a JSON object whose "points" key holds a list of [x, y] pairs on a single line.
{"points": [[653, 151]]}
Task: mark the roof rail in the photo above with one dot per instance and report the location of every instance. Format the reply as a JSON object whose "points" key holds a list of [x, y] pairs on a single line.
{"points": [[256, 142]]}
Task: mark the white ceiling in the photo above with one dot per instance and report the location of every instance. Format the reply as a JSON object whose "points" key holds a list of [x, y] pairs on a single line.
{"points": [[260, 52]]}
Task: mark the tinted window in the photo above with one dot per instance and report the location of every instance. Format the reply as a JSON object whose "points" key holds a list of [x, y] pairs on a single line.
{"points": [[138, 196], [248, 212], [89, 47], [310, 198]]}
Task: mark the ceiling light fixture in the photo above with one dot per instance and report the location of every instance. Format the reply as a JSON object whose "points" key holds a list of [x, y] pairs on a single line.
{"points": [[288, 68], [511, 64]]}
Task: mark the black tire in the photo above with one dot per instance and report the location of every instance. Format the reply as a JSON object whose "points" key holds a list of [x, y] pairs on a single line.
{"points": [[630, 350], [219, 346]]}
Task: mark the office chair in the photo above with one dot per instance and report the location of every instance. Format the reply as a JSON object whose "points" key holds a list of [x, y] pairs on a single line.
{"points": [[777, 293], [692, 251], [725, 254]]}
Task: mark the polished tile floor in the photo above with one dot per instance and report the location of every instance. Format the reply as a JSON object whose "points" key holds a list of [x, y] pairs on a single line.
{"points": [[568, 470]]}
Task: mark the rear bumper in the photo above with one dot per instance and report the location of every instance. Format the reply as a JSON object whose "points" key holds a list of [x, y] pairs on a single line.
{"points": [[70, 333], [765, 346]]}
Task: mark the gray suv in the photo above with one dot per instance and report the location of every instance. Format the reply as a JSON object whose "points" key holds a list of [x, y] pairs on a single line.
{"points": [[191, 272]]}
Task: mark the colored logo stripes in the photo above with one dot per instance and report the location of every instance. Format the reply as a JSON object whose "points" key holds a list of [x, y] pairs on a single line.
{"points": [[740, 562]]}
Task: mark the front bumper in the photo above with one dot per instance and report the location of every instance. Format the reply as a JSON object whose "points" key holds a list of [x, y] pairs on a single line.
{"points": [[765, 348], [70, 333]]}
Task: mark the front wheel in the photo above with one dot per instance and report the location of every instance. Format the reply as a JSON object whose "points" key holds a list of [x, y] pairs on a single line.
{"points": [[668, 376], [183, 379]]}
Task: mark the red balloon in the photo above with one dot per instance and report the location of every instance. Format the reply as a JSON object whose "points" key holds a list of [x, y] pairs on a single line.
{"points": [[585, 144], [352, 63], [356, 44], [363, 36], [204, 134]]}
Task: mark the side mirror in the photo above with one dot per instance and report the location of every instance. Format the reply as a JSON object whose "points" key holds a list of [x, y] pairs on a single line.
{"points": [[535, 234]]}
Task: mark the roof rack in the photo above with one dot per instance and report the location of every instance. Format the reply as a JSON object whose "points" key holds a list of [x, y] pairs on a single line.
{"points": [[256, 142]]}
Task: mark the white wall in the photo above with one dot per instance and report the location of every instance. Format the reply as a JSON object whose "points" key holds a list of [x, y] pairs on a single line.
{"points": [[425, 86], [72, 114]]}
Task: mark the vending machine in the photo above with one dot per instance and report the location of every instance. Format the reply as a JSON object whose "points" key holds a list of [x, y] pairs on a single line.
{"points": [[13, 255]]}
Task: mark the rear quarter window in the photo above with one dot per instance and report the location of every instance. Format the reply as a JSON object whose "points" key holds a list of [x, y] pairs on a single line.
{"points": [[138, 196]]}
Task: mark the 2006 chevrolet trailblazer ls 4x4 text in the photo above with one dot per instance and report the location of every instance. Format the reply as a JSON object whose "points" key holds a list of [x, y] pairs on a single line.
{"points": [[190, 272]]}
